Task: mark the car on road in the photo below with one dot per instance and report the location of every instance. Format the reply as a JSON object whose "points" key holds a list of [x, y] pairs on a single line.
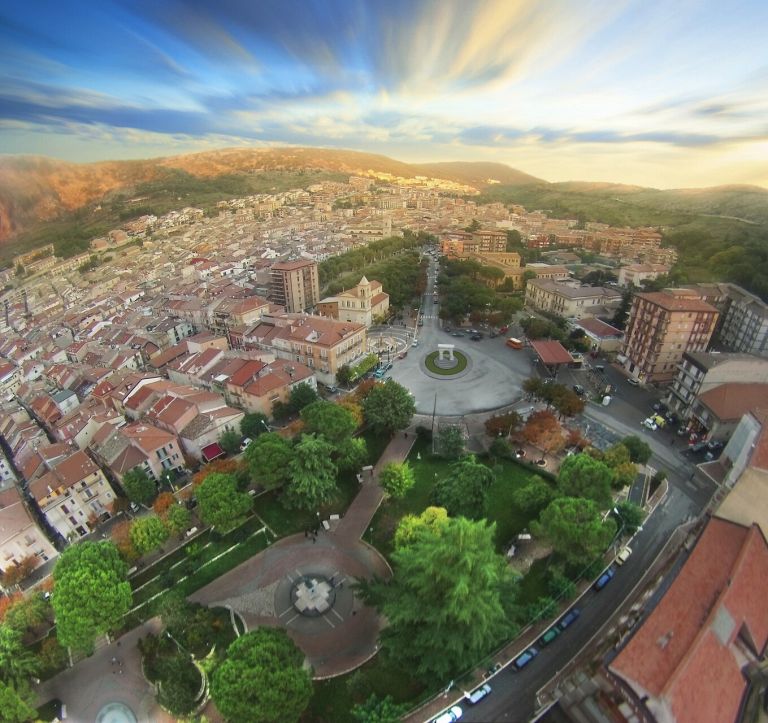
{"points": [[522, 660], [476, 337], [415, 343], [550, 636], [660, 421], [402, 354], [579, 390], [456, 333], [623, 555], [452, 714], [569, 618], [421, 322], [604, 579], [634, 382], [650, 424], [477, 694]]}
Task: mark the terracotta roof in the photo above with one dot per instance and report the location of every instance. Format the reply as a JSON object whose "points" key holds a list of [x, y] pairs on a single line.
{"points": [[599, 328], [733, 400], [551, 352], [291, 265], [675, 303], [687, 654]]}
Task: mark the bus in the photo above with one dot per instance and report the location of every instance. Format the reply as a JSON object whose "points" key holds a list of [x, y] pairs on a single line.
{"points": [[514, 343]]}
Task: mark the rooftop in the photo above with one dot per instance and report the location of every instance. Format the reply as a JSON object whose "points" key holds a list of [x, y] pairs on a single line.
{"points": [[676, 301], [732, 400]]}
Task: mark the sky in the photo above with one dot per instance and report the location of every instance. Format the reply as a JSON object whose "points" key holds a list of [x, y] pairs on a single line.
{"points": [[662, 93]]}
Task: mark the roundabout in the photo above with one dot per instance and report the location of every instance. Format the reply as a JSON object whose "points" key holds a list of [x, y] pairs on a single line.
{"points": [[438, 367]]}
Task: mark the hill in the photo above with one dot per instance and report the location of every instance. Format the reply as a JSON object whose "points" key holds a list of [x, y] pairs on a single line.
{"points": [[477, 174]]}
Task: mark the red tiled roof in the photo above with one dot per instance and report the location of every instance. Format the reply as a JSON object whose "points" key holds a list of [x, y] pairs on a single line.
{"points": [[732, 400], [676, 303], [686, 656], [599, 328], [551, 352]]}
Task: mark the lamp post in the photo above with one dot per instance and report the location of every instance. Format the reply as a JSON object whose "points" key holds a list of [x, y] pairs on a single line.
{"points": [[617, 539], [264, 424]]}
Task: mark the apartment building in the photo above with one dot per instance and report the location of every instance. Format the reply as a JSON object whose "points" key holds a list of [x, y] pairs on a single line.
{"points": [[716, 413], [74, 496], [548, 272], [700, 372], [569, 301], [362, 304], [295, 285], [662, 326], [744, 324], [10, 379], [256, 386], [20, 537], [635, 274]]}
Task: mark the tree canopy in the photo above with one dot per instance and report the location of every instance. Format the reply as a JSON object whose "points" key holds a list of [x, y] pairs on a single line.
{"points": [[533, 496], [139, 487], [464, 490], [312, 473], [230, 441], [581, 475], [262, 679], [221, 502], [302, 395], [639, 451], [147, 534], [446, 603], [396, 479], [267, 458], [328, 420], [17, 662], [575, 528], [388, 407], [92, 592], [379, 710], [412, 527], [450, 442], [14, 706], [253, 424]]}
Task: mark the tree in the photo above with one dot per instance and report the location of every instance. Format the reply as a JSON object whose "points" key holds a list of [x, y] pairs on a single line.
{"points": [[302, 395], [262, 679], [230, 441], [179, 684], [14, 706], [567, 402], [533, 496], [445, 606], [253, 424], [514, 239], [224, 466], [343, 375], [379, 710], [92, 593], [27, 613], [121, 538], [329, 420], [622, 310], [312, 473], [267, 458], [388, 407], [412, 527], [575, 529], [352, 405], [221, 503], [639, 451], [177, 519], [396, 479], [14, 575], [544, 431], [583, 476], [162, 502], [624, 470], [464, 490], [148, 533], [450, 442], [351, 454], [139, 487], [632, 516], [502, 425], [17, 663]]}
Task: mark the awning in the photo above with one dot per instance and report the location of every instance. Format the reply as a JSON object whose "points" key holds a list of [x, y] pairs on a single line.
{"points": [[551, 353], [212, 451]]}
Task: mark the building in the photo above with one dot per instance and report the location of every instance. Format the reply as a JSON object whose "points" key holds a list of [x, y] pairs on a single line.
{"points": [[508, 262], [21, 540], [568, 301], [256, 387], [10, 379], [635, 274], [662, 326], [716, 413], [74, 496], [700, 372], [295, 285], [602, 337], [549, 272], [688, 660], [744, 324], [362, 304]]}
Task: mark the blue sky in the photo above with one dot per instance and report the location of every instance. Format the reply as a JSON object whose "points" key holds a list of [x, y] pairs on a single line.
{"points": [[653, 93]]}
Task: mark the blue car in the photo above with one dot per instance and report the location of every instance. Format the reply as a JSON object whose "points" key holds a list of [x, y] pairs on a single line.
{"points": [[604, 579], [522, 660], [569, 618]]}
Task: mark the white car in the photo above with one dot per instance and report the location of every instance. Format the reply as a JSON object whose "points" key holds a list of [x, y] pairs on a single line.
{"points": [[451, 715], [415, 343], [623, 555], [634, 382], [650, 424]]}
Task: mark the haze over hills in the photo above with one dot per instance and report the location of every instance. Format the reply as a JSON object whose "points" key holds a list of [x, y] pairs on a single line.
{"points": [[45, 200]]}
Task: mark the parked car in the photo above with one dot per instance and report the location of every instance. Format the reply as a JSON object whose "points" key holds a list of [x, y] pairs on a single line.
{"points": [[550, 635], [714, 445], [569, 618], [623, 555], [579, 390], [415, 343], [476, 337], [477, 694], [650, 424], [634, 382], [660, 407], [604, 579], [522, 660], [698, 447], [456, 333], [451, 715], [244, 444], [503, 330]]}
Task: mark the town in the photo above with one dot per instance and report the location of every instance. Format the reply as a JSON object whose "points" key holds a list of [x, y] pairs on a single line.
{"points": [[213, 386]]}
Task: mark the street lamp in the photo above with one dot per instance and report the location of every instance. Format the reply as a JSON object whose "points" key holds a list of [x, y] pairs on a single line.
{"points": [[617, 512]]}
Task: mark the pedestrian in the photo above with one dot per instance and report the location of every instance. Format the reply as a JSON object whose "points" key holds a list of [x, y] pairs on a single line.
{"points": [[306, 533], [405, 435], [314, 539]]}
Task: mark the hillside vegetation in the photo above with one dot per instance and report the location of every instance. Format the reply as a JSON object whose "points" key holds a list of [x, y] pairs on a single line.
{"points": [[721, 233]]}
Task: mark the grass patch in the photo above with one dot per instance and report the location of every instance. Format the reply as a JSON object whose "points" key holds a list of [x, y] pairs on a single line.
{"points": [[510, 520], [429, 362], [332, 700]]}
